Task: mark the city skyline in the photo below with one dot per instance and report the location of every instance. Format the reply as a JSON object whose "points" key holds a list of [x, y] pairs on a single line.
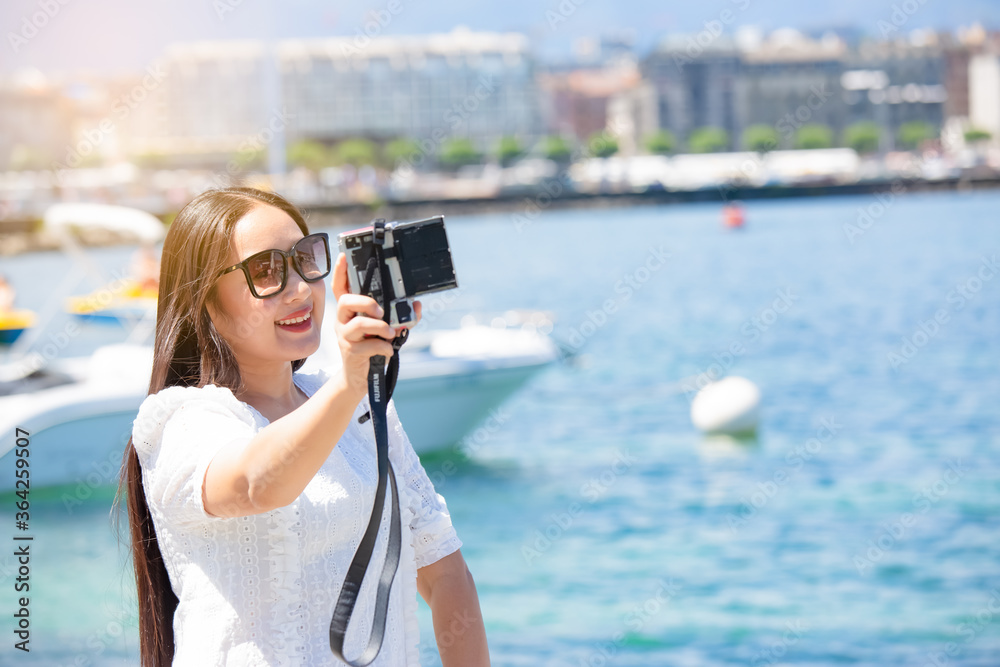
{"points": [[59, 36], [199, 104]]}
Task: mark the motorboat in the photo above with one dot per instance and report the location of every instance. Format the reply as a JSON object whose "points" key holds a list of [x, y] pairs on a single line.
{"points": [[78, 412], [450, 379], [70, 406]]}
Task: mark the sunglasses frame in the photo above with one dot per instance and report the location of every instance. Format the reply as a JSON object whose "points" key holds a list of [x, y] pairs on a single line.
{"points": [[285, 256]]}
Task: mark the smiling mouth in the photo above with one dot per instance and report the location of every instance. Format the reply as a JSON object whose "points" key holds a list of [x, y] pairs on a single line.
{"points": [[295, 320]]}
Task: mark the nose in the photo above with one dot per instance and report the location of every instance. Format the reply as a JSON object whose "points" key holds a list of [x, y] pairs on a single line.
{"points": [[296, 287]]}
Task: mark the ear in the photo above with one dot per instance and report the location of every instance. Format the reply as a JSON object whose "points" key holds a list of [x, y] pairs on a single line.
{"points": [[216, 313], [213, 314]]}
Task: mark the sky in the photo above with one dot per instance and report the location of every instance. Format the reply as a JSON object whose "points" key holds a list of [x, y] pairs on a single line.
{"points": [[119, 36]]}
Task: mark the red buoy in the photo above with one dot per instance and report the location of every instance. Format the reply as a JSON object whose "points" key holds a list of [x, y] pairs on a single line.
{"points": [[733, 216]]}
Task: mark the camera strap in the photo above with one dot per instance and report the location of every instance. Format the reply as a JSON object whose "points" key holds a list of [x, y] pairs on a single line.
{"points": [[380, 386]]}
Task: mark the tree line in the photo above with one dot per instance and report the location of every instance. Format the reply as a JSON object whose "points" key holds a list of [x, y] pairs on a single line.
{"points": [[457, 152]]}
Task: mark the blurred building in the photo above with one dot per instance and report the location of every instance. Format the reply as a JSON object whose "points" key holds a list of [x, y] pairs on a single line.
{"points": [[36, 122], [695, 84], [908, 86], [984, 93], [633, 117], [956, 80], [599, 92], [474, 85], [576, 99], [208, 104], [789, 80], [226, 98]]}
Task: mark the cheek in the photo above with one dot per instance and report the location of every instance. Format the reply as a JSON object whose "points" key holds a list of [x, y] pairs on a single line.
{"points": [[319, 301], [242, 320]]}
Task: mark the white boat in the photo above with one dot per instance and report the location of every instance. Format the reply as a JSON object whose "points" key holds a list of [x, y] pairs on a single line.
{"points": [[78, 412], [449, 380]]}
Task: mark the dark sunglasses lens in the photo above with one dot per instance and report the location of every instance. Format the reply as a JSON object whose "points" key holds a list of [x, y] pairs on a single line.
{"points": [[313, 258], [267, 271]]}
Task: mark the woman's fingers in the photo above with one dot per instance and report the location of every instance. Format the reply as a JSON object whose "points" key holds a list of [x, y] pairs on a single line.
{"points": [[359, 327], [349, 305], [369, 347], [340, 284]]}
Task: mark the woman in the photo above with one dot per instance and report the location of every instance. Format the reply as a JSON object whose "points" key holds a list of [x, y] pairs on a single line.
{"points": [[7, 295], [249, 484]]}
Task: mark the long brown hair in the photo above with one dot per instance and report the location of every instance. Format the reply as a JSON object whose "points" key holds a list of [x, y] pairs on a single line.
{"points": [[187, 351]]}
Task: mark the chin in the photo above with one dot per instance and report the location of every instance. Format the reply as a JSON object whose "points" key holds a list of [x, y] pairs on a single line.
{"points": [[306, 348]]}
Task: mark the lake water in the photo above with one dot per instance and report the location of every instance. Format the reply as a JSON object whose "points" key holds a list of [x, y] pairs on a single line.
{"points": [[861, 526]]}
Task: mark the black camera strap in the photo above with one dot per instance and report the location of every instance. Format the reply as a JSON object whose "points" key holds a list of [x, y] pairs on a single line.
{"points": [[380, 386]]}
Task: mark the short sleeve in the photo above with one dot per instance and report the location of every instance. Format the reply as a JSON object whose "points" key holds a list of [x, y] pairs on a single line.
{"points": [[433, 534], [176, 439]]}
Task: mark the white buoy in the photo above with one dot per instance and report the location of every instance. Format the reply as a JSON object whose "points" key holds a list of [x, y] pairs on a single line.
{"points": [[730, 405]]}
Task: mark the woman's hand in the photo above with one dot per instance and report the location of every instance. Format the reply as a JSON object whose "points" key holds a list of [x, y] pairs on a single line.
{"points": [[360, 338]]}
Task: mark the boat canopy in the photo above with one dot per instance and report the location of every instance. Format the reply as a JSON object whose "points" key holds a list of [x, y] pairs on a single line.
{"points": [[61, 218]]}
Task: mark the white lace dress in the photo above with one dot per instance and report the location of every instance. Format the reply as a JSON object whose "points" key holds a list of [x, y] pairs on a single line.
{"points": [[260, 589]]}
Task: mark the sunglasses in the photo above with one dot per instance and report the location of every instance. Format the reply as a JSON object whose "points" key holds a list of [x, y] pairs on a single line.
{"points": [[267, 271]]}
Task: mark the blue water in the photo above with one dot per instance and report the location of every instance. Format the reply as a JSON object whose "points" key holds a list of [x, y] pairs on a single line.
{"points": [[861, 526]]}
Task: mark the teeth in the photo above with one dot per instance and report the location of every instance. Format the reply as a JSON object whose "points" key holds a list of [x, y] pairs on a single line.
{"points": [[296, 320]]}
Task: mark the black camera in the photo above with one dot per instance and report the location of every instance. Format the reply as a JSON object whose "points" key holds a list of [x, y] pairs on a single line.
{"points": [[395, 262]]}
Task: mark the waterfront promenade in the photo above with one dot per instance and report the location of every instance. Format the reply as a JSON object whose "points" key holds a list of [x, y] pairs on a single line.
{"points": [[23, 234]]}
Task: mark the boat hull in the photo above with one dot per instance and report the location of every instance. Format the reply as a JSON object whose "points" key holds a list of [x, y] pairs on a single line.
{"points": [[438, 412], [78, 431]]}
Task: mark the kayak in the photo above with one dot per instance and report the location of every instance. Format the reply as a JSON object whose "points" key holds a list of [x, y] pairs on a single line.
{"points": [[122, 304], [13, 323]]}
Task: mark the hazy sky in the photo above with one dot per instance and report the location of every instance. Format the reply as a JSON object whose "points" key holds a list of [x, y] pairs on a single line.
{"points": [[125, 35]]}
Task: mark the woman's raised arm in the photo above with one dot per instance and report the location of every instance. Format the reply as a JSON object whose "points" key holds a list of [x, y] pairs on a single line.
{"points": [[274, 468]]}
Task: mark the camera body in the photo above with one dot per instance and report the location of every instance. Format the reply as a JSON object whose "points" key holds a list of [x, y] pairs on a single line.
{"points": [[416, 259]]}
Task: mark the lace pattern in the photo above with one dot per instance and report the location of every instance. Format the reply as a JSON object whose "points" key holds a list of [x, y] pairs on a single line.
{"points": [[260, 589]]}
